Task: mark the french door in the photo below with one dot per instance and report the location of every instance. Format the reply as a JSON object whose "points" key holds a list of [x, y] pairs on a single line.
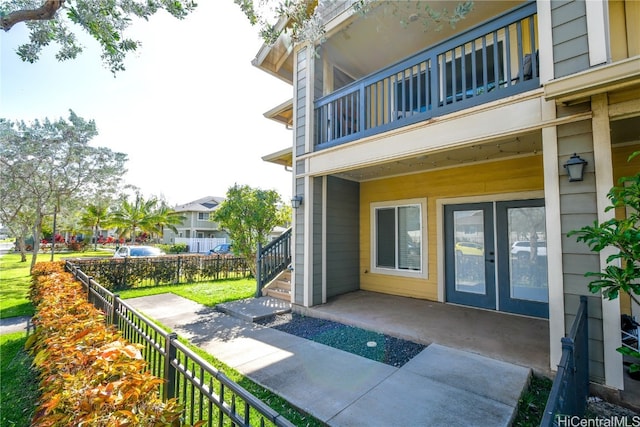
{"points": [[496, 257]]}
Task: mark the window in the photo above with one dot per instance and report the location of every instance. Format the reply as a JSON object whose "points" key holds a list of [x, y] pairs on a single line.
{"points": [[203, 216], [398, 237]]}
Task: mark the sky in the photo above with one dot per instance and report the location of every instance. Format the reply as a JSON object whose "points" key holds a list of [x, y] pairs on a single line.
{"points": [[188, 109]]}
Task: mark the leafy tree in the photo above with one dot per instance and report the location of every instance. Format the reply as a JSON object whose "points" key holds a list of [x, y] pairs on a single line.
{"points": [[44, 166], [248, 215], [52, 21], [622, 274], [301, 19]]}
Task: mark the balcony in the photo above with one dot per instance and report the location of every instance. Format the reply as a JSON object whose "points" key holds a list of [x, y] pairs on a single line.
{"points": [[494, 60]]}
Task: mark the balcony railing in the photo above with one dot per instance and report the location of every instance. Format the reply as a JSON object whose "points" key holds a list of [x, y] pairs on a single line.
{"points": [[494, 60]]}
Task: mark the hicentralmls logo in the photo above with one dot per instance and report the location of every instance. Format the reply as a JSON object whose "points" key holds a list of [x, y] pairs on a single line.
{"points": [[574, 421]]}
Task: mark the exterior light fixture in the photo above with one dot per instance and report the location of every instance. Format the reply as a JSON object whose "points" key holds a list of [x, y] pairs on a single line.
{"points": [[575, 168], [296, 202]]}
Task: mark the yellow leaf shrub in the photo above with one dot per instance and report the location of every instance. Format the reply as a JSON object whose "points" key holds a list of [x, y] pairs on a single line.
{"points": [[89, 374]]}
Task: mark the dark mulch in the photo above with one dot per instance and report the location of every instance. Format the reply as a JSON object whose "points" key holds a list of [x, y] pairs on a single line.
{"points": [[389, 350]]}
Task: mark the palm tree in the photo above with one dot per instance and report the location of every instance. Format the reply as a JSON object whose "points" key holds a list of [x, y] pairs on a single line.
{"points": [[138, 216], [164, 216], [96, 217]]}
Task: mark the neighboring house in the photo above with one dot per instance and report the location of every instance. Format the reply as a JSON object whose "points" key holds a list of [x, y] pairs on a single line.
{"points": [[197, 230], [408, 142]]}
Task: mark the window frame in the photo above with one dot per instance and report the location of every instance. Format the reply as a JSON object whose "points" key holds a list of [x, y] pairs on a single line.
{"points": [[422, 272], [203, 216]]}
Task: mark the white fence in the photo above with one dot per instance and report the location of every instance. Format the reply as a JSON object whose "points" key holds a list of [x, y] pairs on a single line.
{"points": [[200, 245]]}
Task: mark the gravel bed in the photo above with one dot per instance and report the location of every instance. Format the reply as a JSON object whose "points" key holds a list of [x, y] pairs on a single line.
{"points": [[598, 408], [372, 345]]}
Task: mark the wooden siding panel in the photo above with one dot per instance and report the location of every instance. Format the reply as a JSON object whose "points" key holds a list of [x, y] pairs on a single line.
{"points": [[479, 179], [301, 102], [574, 29], [565, 11], [575, 221], [580, 263], [570, 50], [580, 128], [581, 203], [623, 96], [576, 65], [569, 33], [342, 236]]}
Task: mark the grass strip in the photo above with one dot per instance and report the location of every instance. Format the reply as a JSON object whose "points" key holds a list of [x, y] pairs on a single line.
{"points": [[19, 385]]}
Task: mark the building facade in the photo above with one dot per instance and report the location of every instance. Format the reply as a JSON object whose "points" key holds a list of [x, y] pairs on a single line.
{"points": [[431, 164]]}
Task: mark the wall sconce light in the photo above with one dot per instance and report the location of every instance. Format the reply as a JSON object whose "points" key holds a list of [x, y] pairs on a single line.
{"points": [[575, 168], [296, 202]]}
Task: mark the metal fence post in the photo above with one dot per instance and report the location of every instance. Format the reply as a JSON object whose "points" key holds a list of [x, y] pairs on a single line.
{"points": [[259, 270], [114, 309], [89, 288], [169, 369], [569, 345]]}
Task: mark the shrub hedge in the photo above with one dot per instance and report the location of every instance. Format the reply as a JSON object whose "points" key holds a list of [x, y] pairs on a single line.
{"points": [[125, 273], [89, 374]]}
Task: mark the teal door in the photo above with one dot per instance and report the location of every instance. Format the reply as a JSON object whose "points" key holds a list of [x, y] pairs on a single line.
{"points": [[496, 256], [470, 255]]}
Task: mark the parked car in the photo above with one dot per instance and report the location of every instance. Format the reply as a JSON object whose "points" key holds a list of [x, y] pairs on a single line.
{"points": [[522, 249], [222, 249], [469, 248], [137, 251]]}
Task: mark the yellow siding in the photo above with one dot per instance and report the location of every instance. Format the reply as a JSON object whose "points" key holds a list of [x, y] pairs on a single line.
{"points": [[623, 96], [492, 178], [624, 30]]}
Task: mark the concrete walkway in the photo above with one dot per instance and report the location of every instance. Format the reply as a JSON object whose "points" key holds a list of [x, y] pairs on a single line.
{"points": [[441, 386], [15, 324]]}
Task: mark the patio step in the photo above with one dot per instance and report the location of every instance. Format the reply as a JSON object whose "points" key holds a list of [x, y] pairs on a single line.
{"points": [[280, 287]]}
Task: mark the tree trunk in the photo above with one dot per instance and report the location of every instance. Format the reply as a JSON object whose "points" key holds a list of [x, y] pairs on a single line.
{"points": [[22, 245], [37, 232]]}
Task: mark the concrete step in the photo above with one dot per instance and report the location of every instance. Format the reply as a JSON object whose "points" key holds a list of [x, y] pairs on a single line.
{"points": [[281, 284], [281, 294]]}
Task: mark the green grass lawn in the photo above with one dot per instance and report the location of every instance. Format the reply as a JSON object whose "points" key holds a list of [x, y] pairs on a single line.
{"points": [[19, 385], [15, 279], [205, 293]]}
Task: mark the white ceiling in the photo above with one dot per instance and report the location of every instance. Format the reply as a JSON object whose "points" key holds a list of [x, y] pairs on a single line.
{"points": [[383, 28]]}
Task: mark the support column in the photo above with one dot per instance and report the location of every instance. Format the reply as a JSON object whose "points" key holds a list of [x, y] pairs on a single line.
{"points": [[554, 235], [613, 370]]}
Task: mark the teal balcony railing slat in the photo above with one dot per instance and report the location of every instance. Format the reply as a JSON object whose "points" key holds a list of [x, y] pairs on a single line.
{"points": [[494, 60]]}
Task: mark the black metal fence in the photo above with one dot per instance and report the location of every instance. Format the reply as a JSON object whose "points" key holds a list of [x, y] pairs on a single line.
{"points": [[205, 393], [570, 388], [272, 259], [124, 273]]}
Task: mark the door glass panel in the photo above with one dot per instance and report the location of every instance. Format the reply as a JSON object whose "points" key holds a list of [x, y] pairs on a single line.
{"points": [[469, 251], [528, 257]]}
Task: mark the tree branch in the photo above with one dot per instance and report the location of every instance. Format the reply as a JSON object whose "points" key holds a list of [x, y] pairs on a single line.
{"points": [[45, 12]]}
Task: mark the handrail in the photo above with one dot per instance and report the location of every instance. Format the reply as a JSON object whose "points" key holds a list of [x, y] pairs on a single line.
{"points": [[188, 378], [568, 396], [491, 61], [272, 259]]}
